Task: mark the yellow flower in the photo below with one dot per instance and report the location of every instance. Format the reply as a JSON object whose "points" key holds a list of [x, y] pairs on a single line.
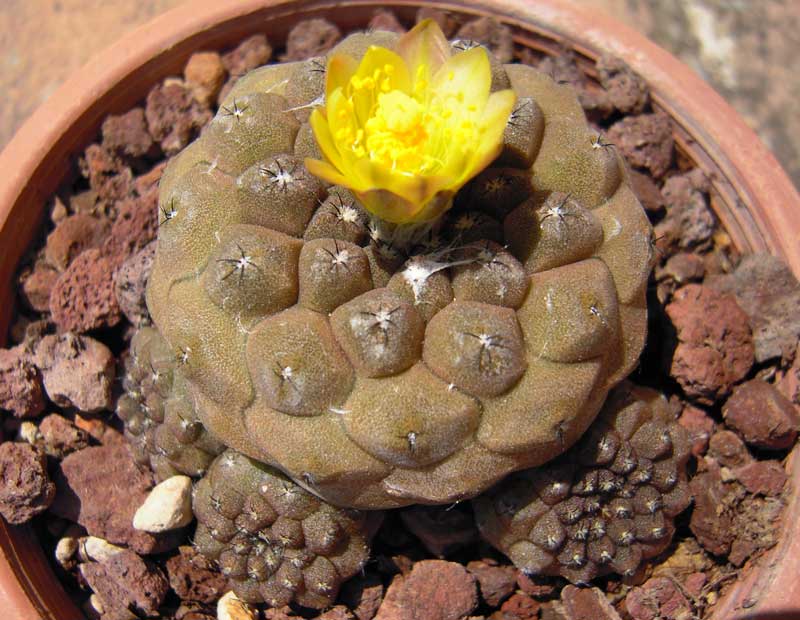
{"points": [[405, 130]]}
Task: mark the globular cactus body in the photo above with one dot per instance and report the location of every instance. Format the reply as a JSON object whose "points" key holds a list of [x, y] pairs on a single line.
{"points": [[376, 368]]}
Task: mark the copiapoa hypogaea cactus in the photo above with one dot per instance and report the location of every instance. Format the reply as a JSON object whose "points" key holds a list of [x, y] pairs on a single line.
{"points": [[390, 276]]}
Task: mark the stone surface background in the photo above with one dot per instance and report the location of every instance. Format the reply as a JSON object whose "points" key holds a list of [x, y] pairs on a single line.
{"points": [[744, 48]]}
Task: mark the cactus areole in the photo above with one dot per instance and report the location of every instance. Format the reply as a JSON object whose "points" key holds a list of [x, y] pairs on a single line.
{"points": [[396, 275]]}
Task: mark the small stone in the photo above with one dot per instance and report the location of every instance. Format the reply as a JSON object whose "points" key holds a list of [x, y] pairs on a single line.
{"points": [[230, 607], [645, 140], [37, 286], [126, 135], [253, 52], [339, 612], [715, 347], [495, 582], [587, 604], [627, 92], [92, 548], [95, 604], [310, 38], [21, 390], [434, 590], [83, 298], [689, 219], [66, 550], [647, 191], [130, 285], [682, 268], [126, 582], [658, 599], [204, 74], [363, 594], [109, 178], [167, 507], [25, 487], [383, 19], [762, 477], [538, 587], [766, 289], [195, 578], [700, 427], [72, 236], [61, 437], [695, 583], [136, 224], [101, 487], [491, 33], [77, 371], [519, 607], [762, 416], [729, 451], [173, 116], [714, 508], [28, 431]]}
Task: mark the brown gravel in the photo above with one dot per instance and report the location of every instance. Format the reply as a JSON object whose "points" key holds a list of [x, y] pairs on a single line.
{"points": [[658, 599], [21, 390], [25, 488], [126, 135], [194, 578], [309, 38], [763, 416], [645, 141]]}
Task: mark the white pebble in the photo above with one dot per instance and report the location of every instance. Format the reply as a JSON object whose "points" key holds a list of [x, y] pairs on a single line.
{"points": [[229, 607], [169, 506], [97, 549], [29, 432], [66, 548]]}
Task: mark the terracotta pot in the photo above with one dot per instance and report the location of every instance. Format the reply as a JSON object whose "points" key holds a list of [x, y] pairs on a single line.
{"points": [[753, 197]]}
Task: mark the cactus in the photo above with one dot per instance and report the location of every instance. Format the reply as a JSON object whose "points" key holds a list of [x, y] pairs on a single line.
{"points": [[382, 342], [602, 506]]}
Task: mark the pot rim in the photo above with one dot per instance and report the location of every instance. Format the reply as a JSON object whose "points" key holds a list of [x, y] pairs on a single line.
{"points": [[756, 201]]}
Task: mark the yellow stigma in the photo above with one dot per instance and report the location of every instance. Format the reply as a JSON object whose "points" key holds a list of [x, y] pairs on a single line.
{"points": [[405, 129]]}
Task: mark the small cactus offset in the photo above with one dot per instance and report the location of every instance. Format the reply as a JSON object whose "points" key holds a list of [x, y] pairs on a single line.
{"points": [[395, 274]]}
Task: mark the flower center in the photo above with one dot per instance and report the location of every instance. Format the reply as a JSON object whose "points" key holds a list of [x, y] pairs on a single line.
{"points": [[396, 134]]}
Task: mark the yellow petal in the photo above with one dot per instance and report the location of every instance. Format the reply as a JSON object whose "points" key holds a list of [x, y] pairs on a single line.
{"points": [[466, 75], [424, 46], [325, 171], [322, 133], [341, 68], [380, 70], [387, 205], [493, 122]]}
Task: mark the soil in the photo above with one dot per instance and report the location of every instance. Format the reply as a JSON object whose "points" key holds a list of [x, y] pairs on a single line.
{"points": [[721, 346]]}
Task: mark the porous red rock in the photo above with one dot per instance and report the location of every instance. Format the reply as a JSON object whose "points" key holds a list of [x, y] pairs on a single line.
{"points": [[136, 224], [766, 289], [101, 488], [109, 178], [689, 222], [25, 488], [126, 582], [83, 297], [728, 449], [253, 52], [658, 599], [21, 390], [73, 235], [627, 92], [173, 116], [647, 191], [434, 590], [762, 416], [491, 33], [385, 20], [536, 586], [77, 371], [700, 427], [714, 508], [363, 594], [126, 135], [339, 612], [130, 284], [495, 582], [715, 346], [37, 286], [204, 74], [519, 606], [762, 477], [586, 604], [682, 268], [61, 437], [645, 140], [309, 38], [194, 578]]}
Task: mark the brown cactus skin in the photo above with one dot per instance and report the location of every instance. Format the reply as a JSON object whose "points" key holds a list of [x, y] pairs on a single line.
{"points": [[378, 374], [274, 541], [604, 505]]}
